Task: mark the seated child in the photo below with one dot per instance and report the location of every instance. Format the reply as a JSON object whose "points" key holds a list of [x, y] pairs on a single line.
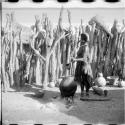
{"points": [[99, 85]]}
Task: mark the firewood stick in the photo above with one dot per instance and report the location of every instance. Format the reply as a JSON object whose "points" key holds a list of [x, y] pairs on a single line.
{"points": [[52, 49], [38, 54]]}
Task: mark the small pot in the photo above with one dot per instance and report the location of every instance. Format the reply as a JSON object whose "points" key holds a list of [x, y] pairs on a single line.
{"points": [[121, 84], [51, 84]]}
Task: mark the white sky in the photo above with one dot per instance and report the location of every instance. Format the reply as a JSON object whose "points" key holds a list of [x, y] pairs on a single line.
{"points": [[26, 16]]}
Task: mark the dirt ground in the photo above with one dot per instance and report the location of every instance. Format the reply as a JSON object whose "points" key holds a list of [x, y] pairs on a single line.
{"points": [[24, 108]]}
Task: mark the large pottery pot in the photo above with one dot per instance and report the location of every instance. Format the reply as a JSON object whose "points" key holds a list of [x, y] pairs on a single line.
{"points": [[68, 86]]}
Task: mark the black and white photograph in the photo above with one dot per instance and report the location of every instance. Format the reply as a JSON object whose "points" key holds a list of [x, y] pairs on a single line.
{"points": [[62, 64]]}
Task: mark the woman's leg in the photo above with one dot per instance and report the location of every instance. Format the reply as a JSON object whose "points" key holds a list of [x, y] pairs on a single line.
{"points": [[88, 84], [82, 88]]}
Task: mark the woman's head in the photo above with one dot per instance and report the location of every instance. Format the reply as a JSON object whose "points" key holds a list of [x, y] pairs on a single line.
{"points": [[84, 38]]}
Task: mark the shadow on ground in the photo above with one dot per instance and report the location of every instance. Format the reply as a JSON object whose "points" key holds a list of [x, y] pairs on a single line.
{"points": [[111, 111], [26, 88]]}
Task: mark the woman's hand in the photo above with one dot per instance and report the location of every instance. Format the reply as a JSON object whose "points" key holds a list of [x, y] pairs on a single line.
{"points": [[72, 59]]}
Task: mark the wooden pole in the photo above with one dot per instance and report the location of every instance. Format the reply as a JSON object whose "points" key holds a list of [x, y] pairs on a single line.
{"points": [[11, 55]]}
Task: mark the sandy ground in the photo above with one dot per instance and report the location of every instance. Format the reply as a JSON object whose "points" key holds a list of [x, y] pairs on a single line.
{"points": [[23, 108]]}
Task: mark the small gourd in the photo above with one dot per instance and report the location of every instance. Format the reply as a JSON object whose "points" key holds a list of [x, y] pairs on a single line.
{"points": [[121, 83]]}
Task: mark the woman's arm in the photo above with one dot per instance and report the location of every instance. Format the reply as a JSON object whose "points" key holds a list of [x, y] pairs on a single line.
{"points": [[78, 59]]}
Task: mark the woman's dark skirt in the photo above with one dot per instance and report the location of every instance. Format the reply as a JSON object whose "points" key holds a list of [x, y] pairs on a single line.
{"points": [[83, 73]]}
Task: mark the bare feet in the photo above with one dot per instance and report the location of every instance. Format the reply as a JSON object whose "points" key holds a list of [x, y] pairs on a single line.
{"points": [[105, 93], [82, 94], [87, 94]]}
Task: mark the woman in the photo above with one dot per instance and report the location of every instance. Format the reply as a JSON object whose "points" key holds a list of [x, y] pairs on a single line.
{"points": [[83, 72]]}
